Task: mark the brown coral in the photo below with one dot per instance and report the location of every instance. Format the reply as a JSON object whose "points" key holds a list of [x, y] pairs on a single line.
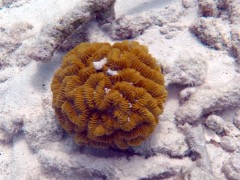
{"points": [[109, 95]]}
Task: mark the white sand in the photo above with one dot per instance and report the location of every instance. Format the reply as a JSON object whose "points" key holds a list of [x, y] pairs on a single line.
{"points": [[198, 135]]}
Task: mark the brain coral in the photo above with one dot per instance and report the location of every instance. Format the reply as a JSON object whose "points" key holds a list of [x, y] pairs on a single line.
{"points": [[109, 95]]}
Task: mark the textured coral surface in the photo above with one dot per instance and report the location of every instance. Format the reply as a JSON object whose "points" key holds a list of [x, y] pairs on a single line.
{"points": [[109, 95]]}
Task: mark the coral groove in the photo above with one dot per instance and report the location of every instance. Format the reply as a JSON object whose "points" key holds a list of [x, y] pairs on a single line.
{"points": [[109, 95]]}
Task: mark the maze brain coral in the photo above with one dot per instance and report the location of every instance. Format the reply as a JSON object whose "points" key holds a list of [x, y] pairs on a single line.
{"points": [[109, 95]]}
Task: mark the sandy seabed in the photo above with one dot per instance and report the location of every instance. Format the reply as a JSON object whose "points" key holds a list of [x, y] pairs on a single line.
{"points": [[197, 44]]}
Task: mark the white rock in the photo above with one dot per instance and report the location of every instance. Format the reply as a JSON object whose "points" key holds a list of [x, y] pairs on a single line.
{"points": [[228, 144], [98, 65], [190, 69], [112, 72], [215, 123]]}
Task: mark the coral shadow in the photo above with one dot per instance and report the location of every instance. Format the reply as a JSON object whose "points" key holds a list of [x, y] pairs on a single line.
{"points": [[41, 80]]}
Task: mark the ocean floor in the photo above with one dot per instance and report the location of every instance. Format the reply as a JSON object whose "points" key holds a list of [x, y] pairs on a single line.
{"points": [[197, 45]]}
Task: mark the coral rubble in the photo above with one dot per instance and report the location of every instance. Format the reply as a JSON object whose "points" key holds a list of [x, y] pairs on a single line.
{"points": [[213, 32], [60, 28], [130, 26]]}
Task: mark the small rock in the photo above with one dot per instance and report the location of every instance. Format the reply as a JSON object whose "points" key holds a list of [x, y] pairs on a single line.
{"points": [[231, 130], [215, 123], [228, 144], [186, 93]]}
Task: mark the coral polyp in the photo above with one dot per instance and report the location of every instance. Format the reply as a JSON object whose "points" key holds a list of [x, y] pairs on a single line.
{"points": [[109, 95]]}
